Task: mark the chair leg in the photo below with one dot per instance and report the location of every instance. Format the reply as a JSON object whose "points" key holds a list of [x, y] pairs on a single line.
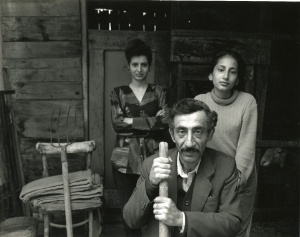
{"points": [[91, 223], [46, 225]]}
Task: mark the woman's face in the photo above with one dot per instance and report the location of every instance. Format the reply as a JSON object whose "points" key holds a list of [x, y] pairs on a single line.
{"points": [[225, 75], [139, 67]]}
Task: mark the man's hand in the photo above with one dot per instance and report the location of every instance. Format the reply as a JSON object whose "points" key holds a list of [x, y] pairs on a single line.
{"points": [[165, 210], [160, 170]]}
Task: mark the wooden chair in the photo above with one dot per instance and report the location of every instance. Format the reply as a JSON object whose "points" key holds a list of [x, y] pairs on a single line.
{"points": [[63, 149]]}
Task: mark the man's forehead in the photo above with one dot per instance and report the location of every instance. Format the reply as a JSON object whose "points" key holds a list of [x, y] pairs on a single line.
{"points": [[195, 119]]}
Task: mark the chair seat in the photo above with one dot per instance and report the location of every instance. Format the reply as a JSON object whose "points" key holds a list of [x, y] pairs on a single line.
{"points": [[76, 206], [79, 181]]}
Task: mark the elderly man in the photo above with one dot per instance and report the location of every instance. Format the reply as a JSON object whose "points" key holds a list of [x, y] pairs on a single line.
{"points": [[203, 198]]}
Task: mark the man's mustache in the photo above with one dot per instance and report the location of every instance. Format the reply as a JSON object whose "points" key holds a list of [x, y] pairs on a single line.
{"points": [[190, 149]]}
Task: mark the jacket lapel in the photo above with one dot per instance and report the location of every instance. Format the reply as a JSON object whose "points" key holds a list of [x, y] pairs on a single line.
{"points": [[202, 185]]}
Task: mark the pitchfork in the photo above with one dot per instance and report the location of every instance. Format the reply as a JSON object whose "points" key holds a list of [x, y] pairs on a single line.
{"points": [[64, 161]]}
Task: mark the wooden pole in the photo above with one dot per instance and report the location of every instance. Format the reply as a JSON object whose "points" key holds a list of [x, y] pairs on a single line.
{"points": [[84, 66], [68, 207], [163, 190]]}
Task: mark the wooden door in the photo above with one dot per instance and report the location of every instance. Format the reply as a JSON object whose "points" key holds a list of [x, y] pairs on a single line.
{"points": [[107, 69]]}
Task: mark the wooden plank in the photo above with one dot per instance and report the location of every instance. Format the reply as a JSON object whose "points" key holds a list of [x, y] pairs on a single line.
{"points": [[2, 87], [117, 40], [201, 49], [261, 81], [44, 108], [162, 58], [96, 108], [39, 128], [195, 72], [225, 34], [41, 49], [42, 63], [44, 75], [40, 8], [41, 28], [174, 83], [33, 165], [47, 90], [276, 143]]}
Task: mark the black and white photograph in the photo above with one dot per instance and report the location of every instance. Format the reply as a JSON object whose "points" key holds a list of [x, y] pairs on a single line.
{"points": [[145, 118]]}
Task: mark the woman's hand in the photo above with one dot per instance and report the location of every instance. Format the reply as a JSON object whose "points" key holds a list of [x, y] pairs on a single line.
{"points": [[128, 120]]}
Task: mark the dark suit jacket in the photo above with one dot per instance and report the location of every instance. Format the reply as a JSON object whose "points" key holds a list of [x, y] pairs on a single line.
{"points": [[215, 204]]}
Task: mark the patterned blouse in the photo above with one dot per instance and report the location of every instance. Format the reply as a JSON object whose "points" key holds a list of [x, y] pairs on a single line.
{"points": [[141, 138]]}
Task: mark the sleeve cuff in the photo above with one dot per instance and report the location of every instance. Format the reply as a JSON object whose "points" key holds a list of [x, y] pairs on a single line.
{"points": [[183, 224], [151, 190]]}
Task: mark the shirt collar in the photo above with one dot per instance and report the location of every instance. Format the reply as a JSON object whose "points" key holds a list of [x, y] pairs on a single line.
{"points": [[180, 169]]}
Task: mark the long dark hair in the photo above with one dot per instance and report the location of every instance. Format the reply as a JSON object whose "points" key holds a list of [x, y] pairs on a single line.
{"points": [[240, 62]]}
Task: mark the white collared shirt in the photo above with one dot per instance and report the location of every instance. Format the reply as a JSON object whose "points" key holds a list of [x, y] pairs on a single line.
{"points": [[187, 180]]}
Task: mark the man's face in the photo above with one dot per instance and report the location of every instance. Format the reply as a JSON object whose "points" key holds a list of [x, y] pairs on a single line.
{"points": [[191, 135]]}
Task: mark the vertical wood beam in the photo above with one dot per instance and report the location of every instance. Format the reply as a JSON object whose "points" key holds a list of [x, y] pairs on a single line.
{"points": [[2, 88], [84, 62]]}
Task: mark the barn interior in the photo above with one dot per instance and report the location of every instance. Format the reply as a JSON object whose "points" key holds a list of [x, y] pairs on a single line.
{"points": [[61, 58]]}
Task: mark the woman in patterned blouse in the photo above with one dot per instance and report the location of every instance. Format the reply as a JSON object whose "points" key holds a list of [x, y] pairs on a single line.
{"points": [[138, 112]]}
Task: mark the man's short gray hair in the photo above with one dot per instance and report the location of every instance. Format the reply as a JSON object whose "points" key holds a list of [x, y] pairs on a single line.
{"points": [[188, 106]]}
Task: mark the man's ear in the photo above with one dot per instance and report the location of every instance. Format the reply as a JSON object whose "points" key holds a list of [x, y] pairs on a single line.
{"points": [[171, 131], [210, 77], [211, 133]]}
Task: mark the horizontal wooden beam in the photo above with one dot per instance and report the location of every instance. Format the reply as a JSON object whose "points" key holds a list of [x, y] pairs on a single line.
{"points": [[48, 49], [117, 40], [44, 75], [200, 49], [42, 8], [47, 90], [231, 34], [41, 28], [47, 63], [278, 143], [40, 127], [44, 108]]}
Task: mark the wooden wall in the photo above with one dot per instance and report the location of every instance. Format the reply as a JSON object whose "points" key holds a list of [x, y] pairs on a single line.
{"points": [[42, 63]]}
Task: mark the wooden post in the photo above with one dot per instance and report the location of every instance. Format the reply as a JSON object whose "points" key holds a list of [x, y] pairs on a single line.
{"points": [[2, 88], [163, 190], [84, 66]]}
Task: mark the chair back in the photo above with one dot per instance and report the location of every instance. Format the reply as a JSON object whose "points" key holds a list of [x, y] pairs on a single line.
{"points": [[45, 149]]}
